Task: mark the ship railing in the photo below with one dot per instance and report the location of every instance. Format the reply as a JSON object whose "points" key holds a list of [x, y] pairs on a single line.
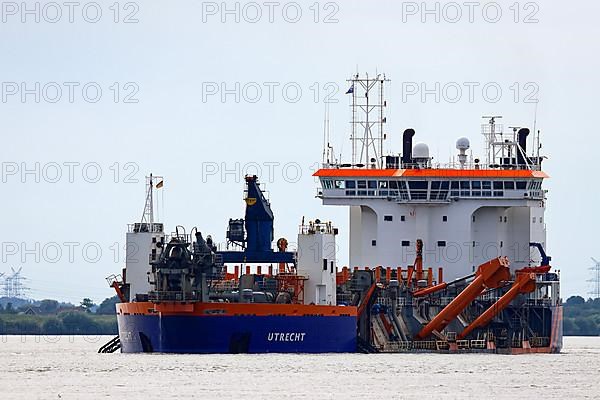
{"points": [[268, 286], [478, 344], [158, 296], [399, 346], [112, 279], [462, 344], [425, 345], [313, 227], [539, 341], [516, 343], [143, 227], [442, 345], [444, 301], [539, 302], [225, 286]]}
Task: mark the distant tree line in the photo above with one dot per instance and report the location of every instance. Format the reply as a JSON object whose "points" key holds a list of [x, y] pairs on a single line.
{"points": [[49, 317], [581, 317]]}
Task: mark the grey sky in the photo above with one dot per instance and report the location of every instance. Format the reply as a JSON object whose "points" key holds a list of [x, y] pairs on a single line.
{"points": [[170, 60]]}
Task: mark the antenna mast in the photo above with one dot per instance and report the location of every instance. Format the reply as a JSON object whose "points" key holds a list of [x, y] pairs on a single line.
{"points": [[328, 154], [152, 182], [368, 118], [489, 131]]}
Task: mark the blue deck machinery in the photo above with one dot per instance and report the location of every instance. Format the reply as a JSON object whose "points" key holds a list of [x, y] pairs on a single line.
{"points": [[254, 234]]}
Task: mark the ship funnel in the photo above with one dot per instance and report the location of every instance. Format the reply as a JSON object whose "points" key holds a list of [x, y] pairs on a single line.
{"points": [[407, 146], [522, 138]]}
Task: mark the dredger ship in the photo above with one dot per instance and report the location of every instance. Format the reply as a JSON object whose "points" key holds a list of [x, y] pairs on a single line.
{"points": [[444, 258]]}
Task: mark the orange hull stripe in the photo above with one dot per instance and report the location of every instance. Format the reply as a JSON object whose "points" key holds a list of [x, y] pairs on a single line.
{"points": [[230, 309], [431, 173]]}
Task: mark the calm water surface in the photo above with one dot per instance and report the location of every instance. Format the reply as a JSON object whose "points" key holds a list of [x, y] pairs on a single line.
{"points": [[69, 368]]}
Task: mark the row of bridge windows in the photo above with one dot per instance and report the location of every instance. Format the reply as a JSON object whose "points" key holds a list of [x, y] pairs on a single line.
{"points": [[432, 190]]}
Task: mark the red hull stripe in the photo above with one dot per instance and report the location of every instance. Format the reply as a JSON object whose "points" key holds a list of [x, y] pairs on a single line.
{"points": [[233, 309]]}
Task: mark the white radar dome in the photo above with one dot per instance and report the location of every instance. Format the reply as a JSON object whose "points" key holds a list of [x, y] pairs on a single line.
{"points": [[463, 144], [420, 150]]}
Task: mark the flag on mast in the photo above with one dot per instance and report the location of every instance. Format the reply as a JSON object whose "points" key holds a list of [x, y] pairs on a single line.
{"points": [[160, 184], [351, 90]]}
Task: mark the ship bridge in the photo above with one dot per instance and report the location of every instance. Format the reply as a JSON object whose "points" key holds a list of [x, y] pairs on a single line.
{"points": [[466, 212], [429, 186]]}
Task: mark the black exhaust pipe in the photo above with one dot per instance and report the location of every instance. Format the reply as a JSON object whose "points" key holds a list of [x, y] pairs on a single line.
{"points": [[407, 146], [522, 138]]}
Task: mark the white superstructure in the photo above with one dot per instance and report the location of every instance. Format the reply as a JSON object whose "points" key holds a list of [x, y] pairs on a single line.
{"points": [[317, 262], [466, 213], [144, 242]]}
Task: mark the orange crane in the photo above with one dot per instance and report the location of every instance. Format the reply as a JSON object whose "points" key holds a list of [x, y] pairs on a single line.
{"points": [[489, 275], [440, 286], [524, 283]]}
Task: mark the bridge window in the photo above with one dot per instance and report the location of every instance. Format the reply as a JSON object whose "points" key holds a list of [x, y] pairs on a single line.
{"points": [[498, 185], [350, 192], [418, 185], [327, 184], [402, 190], [465, 185], [372, 184], [476, 185], [362, 184], [418, 190], [476, 193], [439, 190], [521, 185], [383, 184], [486, 185], [340, 184], [498, 193], [454, 186], [350, 184], [509, 185]]}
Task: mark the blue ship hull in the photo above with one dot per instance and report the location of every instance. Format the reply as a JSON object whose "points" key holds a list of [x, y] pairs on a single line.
{"points": [[237, 334]]}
